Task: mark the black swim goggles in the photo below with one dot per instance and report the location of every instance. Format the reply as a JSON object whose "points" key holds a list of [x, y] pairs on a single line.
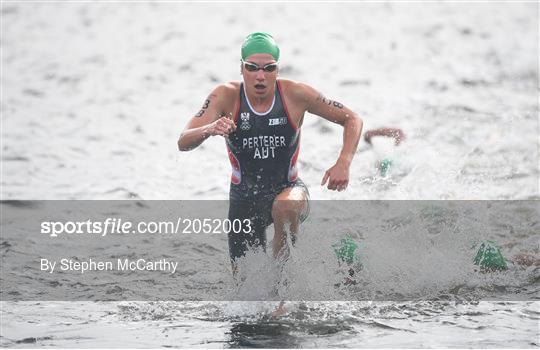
{"points": [[253, 67]]}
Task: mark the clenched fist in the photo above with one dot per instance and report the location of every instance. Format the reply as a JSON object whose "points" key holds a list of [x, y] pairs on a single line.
{"points": [[223, 126]]}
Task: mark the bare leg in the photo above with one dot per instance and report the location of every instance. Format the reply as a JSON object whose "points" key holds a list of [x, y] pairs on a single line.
{"points": [[286, 211]]}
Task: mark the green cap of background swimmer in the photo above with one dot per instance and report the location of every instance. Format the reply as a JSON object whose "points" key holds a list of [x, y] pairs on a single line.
{"points": [[260, 43], [489, 256]]}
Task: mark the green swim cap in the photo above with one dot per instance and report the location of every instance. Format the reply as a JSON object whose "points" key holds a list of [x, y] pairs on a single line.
{"points": [[385, 165], [260, 43], [345, 250], [489, 257]]}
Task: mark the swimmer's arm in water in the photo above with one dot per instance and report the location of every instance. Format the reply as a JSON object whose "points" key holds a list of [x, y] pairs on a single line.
{"points": [[397, 134], [526, 259], [211, 120], [316, 103]]}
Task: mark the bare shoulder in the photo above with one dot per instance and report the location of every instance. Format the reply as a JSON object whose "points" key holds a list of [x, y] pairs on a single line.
{"points": [[224, 95], [231, 85], [294, 87], [228, 89], [299, 92]]}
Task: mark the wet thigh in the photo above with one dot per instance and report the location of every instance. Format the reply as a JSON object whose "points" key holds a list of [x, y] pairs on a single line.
{"points": [[294, 198]]}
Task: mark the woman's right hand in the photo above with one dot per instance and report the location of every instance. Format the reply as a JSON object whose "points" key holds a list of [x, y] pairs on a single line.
{"points": [[223, 126]]}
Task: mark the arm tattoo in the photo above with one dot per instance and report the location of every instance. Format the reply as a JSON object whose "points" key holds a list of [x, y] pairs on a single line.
{"points": [[329, 102], [203, 109]]}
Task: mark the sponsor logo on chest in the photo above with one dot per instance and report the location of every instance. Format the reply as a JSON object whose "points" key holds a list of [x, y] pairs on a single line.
{"points": [[277, 121]]}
